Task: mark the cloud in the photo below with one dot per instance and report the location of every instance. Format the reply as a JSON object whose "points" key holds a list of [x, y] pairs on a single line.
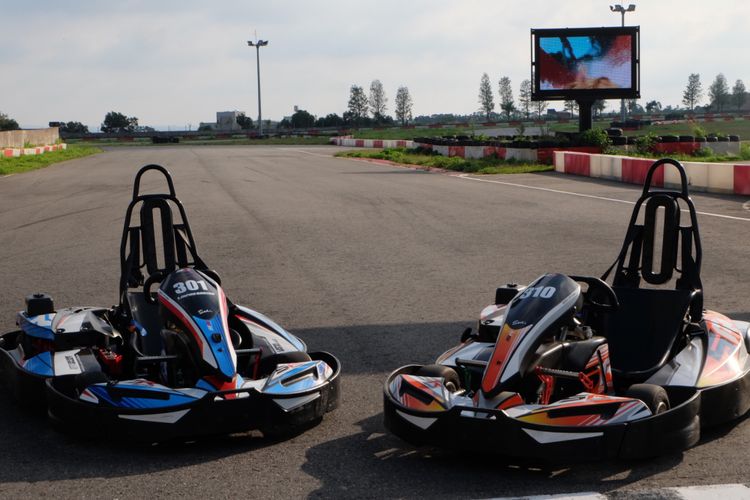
{"points": [[178, 62]]}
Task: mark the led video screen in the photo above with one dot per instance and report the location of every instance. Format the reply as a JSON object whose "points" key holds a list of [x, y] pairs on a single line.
{"points": [[585, 62]]}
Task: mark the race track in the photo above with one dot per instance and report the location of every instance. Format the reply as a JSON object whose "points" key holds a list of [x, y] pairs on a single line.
{"points": [[379, 265]]}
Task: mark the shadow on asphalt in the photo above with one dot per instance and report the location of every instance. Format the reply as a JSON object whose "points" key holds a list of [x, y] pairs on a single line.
{"points": [[378, 349], [372, 463], [32, 451]]}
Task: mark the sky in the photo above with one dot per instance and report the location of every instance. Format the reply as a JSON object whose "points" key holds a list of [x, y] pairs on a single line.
{"points": [[175, 63]]}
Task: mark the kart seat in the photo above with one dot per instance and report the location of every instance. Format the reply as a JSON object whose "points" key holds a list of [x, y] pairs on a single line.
{"points": [[643, 331]]}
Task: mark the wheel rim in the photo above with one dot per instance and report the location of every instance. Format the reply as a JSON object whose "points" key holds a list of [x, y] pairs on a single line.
{"points": [[661, 407]]}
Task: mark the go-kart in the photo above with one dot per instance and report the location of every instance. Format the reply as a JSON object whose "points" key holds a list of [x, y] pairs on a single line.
{"points": [[175, 358], [571, 368]]}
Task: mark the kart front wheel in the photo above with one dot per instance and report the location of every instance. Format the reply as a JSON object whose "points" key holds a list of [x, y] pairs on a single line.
{"points": [[654, 396], [450, 377]]}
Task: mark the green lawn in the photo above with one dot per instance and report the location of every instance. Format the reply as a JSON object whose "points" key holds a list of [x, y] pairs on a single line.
{"points": [[25, 163], [738, 127], [411, 133], [413, 157]]}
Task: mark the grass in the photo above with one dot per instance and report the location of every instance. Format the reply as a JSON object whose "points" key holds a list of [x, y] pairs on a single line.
{"points": [[410, 133], [205, 141], [414, 157], [737, 127], [24, 163], [708, 158]]}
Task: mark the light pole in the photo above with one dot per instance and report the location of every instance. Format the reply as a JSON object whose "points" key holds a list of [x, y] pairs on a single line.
{"points": [[258, 44], [622, 10]]}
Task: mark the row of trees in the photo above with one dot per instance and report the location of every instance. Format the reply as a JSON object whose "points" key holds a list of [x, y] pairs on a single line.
{"points": [[360, 105], [507, 102], [720, 98]]}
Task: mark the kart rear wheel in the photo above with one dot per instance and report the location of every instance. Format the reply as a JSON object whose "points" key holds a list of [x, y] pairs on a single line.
{"points": [[654, 396], [269, 363], [450, 376]]}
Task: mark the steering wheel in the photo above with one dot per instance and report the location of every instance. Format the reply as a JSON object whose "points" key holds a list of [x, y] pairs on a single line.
{"points": [[157, 277], [598, 290]]}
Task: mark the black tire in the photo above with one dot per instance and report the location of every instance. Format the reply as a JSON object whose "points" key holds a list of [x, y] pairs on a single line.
{"points": [[269, 363], [450, 376], [654, 396], [619, 140]]}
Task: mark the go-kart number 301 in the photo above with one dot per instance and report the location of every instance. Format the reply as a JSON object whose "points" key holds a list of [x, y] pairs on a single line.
{"points": [[189, 286]]}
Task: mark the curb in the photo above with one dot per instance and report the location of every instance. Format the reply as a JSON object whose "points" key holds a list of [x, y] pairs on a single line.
{"points": [[723, 178], [37, 150]]}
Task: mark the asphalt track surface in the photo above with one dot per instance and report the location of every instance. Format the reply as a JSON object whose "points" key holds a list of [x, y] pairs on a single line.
{"points": [[380, 265]]}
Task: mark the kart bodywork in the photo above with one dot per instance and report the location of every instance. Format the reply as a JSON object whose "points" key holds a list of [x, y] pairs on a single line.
{"points": [[179, 362], [571, 368]]}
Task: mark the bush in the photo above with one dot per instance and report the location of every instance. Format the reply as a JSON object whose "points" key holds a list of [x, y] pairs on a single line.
{"points": [[704, 152], [745, 151], [645, 143], [595, 137], [699, 132]]}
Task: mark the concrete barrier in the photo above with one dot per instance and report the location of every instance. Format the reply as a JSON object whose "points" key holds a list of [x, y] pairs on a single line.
{"points": [[36, 137], [723, 178]]}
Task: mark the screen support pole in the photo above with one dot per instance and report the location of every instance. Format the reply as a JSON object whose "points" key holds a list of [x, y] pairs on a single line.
{"points": [[585, 121]]}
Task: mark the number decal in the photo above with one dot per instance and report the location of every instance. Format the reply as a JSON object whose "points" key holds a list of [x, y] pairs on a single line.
{"points": [[190, 285], [544, 292]]}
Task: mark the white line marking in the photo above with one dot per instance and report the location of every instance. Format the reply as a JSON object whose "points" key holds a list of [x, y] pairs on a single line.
{"points": [[307, 152], [582, 195], [723, 491]]}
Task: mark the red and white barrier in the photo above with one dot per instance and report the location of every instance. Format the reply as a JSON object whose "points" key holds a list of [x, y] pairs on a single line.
{"points": [[37, 150], [709, 177], [371, 143]]}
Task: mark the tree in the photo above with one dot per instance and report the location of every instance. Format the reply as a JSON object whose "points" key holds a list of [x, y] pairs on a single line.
{"points": [[571, 106], [539, 107], [74, 128], [115, 123], [718, 92], [245, 122], [632, 106], [506, 96], [329, 120], [302, 119], [403, 105], [598, 107], [7, 123], [524, 97], [357, 104], [486, 100], [738, 94], [652, 106], [693, 92], [378, 100]]}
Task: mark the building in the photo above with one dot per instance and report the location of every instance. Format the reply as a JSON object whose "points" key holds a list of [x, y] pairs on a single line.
{"points": [[226, 121]]}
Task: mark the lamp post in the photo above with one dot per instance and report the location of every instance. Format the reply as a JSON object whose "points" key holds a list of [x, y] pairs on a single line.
{"points": [[258, 44], [622, 10]]}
